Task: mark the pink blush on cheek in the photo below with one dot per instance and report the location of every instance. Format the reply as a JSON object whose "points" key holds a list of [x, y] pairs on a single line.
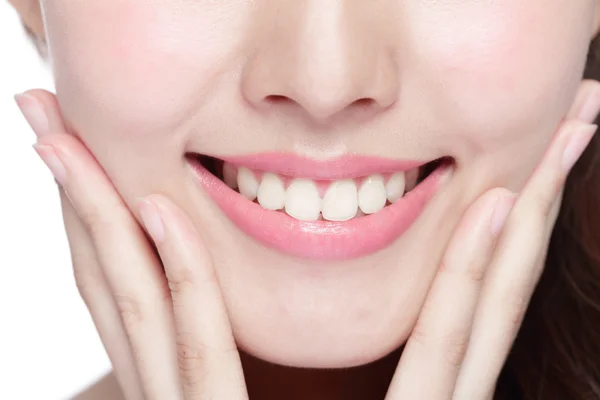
{"points": [[126, 61], [494, 57]]}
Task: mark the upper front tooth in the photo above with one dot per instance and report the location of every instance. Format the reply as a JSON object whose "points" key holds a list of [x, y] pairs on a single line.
{"points": [[302, 200], [341, 201], [247, 183], [395, 187], [372, 194], [271, 192]]}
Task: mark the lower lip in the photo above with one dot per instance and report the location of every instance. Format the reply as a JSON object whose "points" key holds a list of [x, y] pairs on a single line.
{"points": [[321, 240]]}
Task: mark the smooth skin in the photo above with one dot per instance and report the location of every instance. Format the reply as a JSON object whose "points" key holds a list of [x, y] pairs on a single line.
{"points": [[168, 334], [144, 83]]}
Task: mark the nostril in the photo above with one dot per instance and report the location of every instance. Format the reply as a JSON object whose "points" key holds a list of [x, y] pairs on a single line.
{"points": [[365, 101], [364, 104], [277, 98]]}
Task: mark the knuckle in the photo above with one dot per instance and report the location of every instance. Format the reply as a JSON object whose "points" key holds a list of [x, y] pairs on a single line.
{"points": [[190, 351], [191, 355], [179, 278], [88, 215], [512, 307], [456, 348], [450, 345], [130, 310], [183, 277], [194, 356], [93, 221], [103, 221], [88, 277], [471, 269], [420, 334], [476, 272], [86, 282]]}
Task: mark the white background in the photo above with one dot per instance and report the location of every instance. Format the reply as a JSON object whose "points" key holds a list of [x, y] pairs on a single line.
{"points": [[49, 348]]}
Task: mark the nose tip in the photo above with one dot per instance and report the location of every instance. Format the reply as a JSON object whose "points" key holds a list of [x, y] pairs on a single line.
{"points": [[323, 65], [320, 93]]}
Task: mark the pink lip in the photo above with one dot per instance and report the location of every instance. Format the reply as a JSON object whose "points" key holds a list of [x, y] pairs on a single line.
{"points": [[321, 240], [341, 168]]}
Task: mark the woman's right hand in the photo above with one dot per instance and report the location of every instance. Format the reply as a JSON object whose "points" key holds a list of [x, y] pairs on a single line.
{"points": [[161, 317]]}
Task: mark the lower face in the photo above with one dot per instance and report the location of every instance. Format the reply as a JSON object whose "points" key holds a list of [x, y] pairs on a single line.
{"points": [[325, 151]]}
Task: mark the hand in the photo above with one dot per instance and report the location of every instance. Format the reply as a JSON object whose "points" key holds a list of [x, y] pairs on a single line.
{"points": [[488, 274], [166, 333]]}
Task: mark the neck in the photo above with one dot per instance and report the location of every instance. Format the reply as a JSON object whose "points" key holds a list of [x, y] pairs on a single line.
{"points": [[267, 381]]}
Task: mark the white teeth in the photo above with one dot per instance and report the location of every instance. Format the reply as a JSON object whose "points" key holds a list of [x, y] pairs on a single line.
{"points": [[372, 194], [395, 187], [341, 201], [229, 175], [247, 183], [271, 192], [302, 200]]}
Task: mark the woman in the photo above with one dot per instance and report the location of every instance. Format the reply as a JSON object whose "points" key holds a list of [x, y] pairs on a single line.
{"points": [[330, 200]]}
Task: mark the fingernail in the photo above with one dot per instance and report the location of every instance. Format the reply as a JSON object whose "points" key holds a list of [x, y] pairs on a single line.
{"points": [[501, 211], [53, 162], [34, 113], [576, 146], [152, 220]]}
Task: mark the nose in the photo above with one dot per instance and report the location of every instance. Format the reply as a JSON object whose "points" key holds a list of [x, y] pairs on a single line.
{"points": [[323, 58]]}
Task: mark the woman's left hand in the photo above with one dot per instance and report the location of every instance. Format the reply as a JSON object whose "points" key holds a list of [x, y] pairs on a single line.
{"points": [[487, 276]]}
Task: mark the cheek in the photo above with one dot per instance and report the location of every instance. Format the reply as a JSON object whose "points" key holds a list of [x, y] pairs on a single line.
{"points": [[138, 66], [507, 69]]}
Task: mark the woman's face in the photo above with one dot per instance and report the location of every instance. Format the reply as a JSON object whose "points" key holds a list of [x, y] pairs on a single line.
{"points": [[325, 94]]}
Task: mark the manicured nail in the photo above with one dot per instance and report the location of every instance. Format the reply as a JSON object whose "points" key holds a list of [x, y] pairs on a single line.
{"points": [[152, 220], [501, 212], [53, 162], [577, 145], [34, 113]]}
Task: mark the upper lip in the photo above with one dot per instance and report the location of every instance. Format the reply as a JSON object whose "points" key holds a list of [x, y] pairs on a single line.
{"points": [[344, 167]]}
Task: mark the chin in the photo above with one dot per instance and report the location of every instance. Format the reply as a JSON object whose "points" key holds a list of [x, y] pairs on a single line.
{"points": [[314, 314], [334, 346]]}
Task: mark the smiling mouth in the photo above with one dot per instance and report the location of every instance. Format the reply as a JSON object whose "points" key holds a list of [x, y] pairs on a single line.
{"points": [[324, 210], [318, 200]]}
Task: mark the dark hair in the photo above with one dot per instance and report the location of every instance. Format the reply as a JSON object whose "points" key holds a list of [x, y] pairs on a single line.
{"points": [[556, 355]]}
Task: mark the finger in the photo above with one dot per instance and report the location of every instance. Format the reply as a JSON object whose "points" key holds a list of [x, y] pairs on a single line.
{"points": [[89, 277], [96, 294], [587, 102], [209, 363], [433, 354], [131, 268], [130, 265], [517, 265]]}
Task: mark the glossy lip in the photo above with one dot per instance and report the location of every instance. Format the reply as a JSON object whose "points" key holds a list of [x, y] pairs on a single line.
{"points": [[346, 167], [321, 240]]}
